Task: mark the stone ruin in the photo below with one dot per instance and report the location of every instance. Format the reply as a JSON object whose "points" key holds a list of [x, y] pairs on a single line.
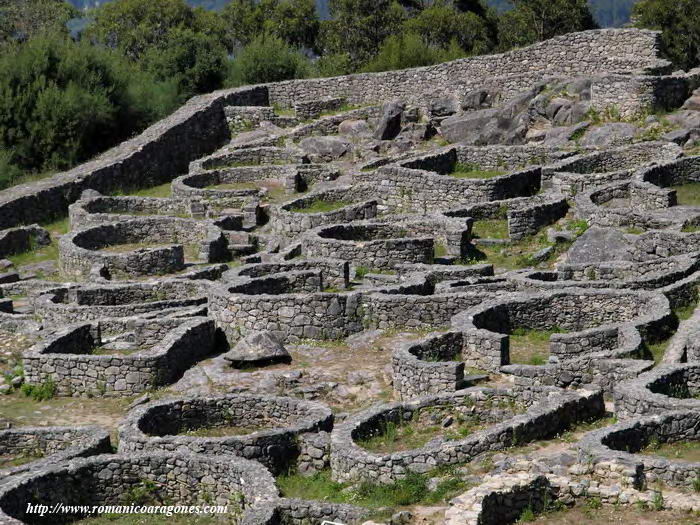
{"points": [[296, 278]]}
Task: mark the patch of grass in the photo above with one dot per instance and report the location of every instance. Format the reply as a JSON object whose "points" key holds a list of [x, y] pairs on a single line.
{"points": [[362, 271], [679, 450], [439, 250], [409, 435], [43, 253], [657, 350], [531, 347], [160, 191], [463, 170], [42, 392], [321, 206], [491, 229], [7, 461], [284, 111], [221, 431], [688, 194], [690, 228], [527, 515], [342, 109], [411, 490]]}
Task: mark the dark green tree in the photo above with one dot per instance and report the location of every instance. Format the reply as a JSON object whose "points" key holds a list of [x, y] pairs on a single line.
{"points": [[679, 22], [359, 27], [410, 50], [535, 20], [62, 102], [441, 24], [22, 19], [167, 38], [294, 21], [268, 58]]}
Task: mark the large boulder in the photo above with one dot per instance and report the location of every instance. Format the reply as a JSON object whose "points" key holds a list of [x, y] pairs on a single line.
{"points": [[693, 103], [258, 348], [325, 149], [389, 124], [442, 107], [612, 134], [599, 245], [685, 119], [467, 126], [478, 99], [562, 135], [354, 128]]}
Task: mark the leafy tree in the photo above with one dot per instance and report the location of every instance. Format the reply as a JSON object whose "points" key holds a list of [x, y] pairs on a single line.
{"points": [[679, 22], [536, 20], [22, 19], [410, 50], [62, 102], [195, 62], [333, 65], [359, 27], [10, 173], [294, 21], [611, 13], [268, 58], [167, 38], [440, 24]]}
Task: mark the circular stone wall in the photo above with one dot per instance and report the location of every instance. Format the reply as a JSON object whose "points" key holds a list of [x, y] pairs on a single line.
{"points": [[622, 443], [63, 306], [179, 479], [297, 216], [265, 428], [508, 417], [585, 321], [666, 388], [30, 448], [372, 245], [152, 246]]}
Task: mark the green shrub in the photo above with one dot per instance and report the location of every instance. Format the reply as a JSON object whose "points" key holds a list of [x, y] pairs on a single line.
{"points": [[410, 50], [9, 172], [267, 59], [62, 102], [42, 392]]}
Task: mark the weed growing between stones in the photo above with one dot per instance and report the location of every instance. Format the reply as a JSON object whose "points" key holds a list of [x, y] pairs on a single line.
{"points": [[42, 392], [531, 347], [321, 206], [412, 490], [679, 450], [687, 194], [473, 171]]}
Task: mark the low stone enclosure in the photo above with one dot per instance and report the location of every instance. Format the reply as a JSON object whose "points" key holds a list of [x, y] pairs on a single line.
{"points": [[73, 361], [511, 416], [621, 443], [282, 433], [35, 448], [647, 200], [147, 246], [464, 248], [184, 479], [667, 388], [592, 170], [113, 304]]}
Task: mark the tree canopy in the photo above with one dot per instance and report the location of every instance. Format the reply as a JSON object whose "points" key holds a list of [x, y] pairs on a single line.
{"points": [[535, 20], [679, 22]]}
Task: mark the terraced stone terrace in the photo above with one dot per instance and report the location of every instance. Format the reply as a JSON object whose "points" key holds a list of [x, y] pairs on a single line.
{"points": [[429, 297]]}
